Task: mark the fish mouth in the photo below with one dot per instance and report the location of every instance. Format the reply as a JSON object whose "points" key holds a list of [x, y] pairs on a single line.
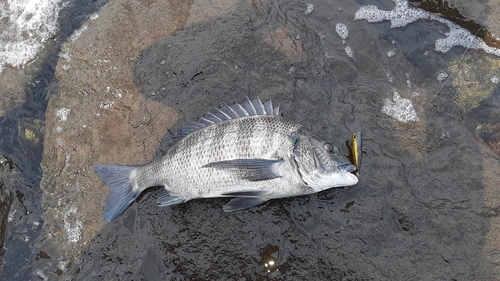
{"points": [[351, 171], [348, 168]]}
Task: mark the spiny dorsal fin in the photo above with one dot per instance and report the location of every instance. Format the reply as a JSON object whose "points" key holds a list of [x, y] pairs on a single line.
{"points": [[225, 113]]}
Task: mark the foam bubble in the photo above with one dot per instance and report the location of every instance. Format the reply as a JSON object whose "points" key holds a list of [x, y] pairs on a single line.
{"points": [[41, 275], [389, 78], [26, 25], [400, 109], [309, 9], [349, 51], [67, 59], [409, 84], [73, 230], [63, 114], [76, 34], [403, 14], [458, 36], [442, 76], [494, 79], [94, 16], [62, 265], [342, 30]]}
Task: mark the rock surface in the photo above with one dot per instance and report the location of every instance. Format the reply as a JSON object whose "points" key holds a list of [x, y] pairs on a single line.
{"points": [[426, 207]]}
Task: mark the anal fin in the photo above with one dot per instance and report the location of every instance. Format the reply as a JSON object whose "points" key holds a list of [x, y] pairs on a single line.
{"points": [[242, 203], [164, 199]]}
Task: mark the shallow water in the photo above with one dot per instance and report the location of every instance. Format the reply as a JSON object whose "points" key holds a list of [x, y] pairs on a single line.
{"points": [[426, 206]]}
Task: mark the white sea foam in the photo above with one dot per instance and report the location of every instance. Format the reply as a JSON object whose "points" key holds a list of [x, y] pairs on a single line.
{"points": [[342, 30], [63, 114], [349, 51], [41, 275], [76, 34], [73, 230], [25, 25], [67, 59], [309, 9], [62, 265], [442, 76], [404, 14], [400, 109], [389, 78]]}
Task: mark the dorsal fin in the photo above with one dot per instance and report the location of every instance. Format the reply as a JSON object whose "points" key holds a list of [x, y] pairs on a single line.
{"points": [[225, 113]]}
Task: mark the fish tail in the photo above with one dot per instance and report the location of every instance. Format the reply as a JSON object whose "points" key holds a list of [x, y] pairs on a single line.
{"points": [[123, 189]]}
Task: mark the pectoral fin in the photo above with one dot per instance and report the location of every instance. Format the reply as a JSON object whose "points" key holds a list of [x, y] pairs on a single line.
{"points": [[242, 203], [250, 169]]}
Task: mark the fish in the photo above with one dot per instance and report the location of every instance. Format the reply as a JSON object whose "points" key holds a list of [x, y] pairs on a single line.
{"points": [[246, 151]]}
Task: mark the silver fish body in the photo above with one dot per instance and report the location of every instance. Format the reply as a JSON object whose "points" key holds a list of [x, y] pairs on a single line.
{"points": [[245, 151]]}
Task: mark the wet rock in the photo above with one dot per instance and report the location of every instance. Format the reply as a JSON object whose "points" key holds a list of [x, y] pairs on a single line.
{"points": [[474, 77], [18, 83], [478, 17], [485, 120], [12, 91], [482, 12], [125, 85], [5, 202], [98, 116]]}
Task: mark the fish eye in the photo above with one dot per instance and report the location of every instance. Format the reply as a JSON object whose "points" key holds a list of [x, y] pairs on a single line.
{"points": [[329, 148]]}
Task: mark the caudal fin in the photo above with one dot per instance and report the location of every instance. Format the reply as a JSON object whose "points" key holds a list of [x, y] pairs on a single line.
{"points": [[122, 189]]}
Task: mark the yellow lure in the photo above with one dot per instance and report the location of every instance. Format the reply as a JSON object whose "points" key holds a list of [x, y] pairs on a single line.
{"points": [[357, 147]]}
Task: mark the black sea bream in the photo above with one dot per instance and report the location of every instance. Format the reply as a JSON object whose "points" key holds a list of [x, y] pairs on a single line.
{"points": [[247, 151]]}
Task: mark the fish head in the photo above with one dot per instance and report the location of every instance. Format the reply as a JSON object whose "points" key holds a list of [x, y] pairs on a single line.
{"points": [[320, 164]]}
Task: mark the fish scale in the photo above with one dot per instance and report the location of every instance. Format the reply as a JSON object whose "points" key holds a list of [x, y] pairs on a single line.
{"points": [[246, 151], [240, 144]]}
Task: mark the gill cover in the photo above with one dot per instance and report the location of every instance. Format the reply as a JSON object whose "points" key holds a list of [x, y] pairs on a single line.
{"points": [[321, 168]]}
